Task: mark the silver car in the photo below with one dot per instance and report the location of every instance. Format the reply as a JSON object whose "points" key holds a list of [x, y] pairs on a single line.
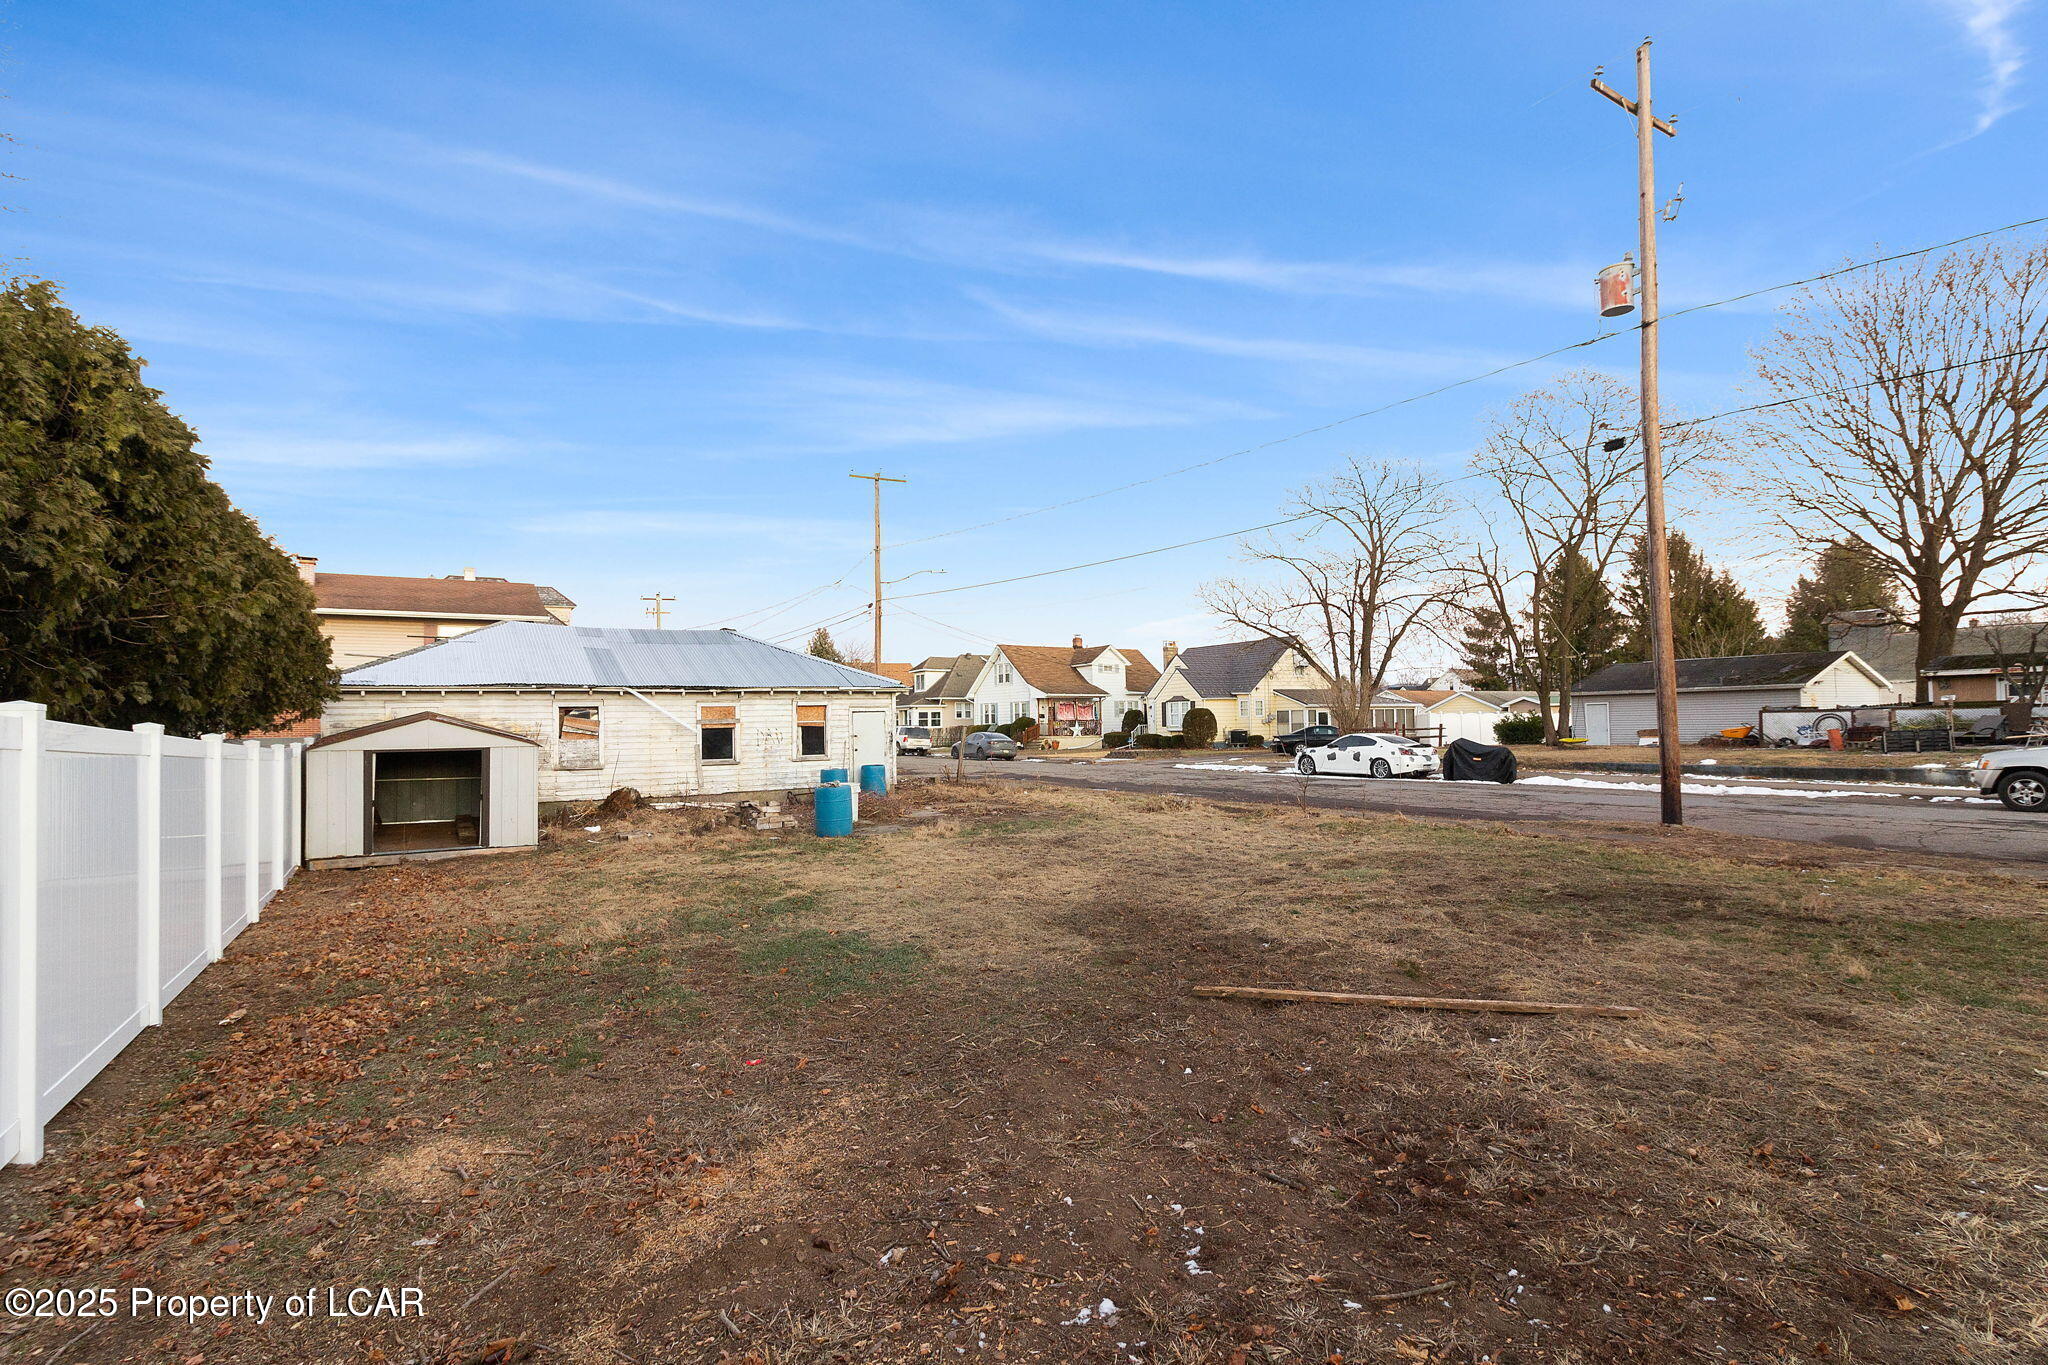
{"points": [[2018, 777], [987, 744]]}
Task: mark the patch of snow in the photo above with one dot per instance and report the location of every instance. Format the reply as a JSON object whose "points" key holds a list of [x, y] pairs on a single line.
{"points": [[1104, 1312], [592, 829], [1695, 788]]}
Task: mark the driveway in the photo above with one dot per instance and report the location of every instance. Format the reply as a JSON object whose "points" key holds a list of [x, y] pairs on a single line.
{"points": [[1892, 819]]}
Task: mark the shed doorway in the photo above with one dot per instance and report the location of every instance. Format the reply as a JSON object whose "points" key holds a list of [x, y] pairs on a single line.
{"points": [[426, 800], [1598, 729]]}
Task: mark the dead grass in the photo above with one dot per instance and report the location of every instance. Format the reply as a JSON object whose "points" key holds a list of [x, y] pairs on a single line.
{"points": [[705, 1095], [1566, 756]]}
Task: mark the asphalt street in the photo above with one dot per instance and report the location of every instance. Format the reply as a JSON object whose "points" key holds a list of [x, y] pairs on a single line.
{"points": [[1877, 818]]}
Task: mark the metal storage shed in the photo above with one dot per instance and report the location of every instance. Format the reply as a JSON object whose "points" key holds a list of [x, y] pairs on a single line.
{"points": [[420, 786]]}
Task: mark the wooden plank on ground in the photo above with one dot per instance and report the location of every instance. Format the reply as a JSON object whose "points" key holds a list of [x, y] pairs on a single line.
{"points": [[1413, 1002]]}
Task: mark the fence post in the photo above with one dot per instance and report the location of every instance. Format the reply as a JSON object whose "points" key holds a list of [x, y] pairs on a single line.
{"points": [[18, 914], [279, 754], [252, 828], [294, 807], [149, 873], [216, 781]]}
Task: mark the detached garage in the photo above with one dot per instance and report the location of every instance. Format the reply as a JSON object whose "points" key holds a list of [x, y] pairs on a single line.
{"points": [[1610, 706], [423, 785]]}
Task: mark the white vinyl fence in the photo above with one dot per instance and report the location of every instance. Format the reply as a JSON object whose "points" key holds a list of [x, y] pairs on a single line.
{"points": [[129, 859]]}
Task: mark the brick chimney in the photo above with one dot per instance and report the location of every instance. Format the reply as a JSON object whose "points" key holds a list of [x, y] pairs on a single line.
{"points": [[308, 566], [1078, 643], [1167, 651]]}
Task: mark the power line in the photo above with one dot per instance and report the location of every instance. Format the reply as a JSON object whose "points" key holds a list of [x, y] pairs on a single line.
{"points": [[777, 608], [1470, 379], [1288, 521]]}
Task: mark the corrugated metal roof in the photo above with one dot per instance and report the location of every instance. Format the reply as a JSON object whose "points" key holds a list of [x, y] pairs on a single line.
{"points": [[529, 654]]}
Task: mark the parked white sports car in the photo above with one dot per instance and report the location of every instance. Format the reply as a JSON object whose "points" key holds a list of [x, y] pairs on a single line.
{"points": [[1369, 755]]}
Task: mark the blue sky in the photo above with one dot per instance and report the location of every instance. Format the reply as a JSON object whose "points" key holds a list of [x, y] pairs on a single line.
{"points": [[613, 295]]}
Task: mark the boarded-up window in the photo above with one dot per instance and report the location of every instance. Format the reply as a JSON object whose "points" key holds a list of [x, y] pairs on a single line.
{"points": [[578, 737], [810, 731], [718, 725]]}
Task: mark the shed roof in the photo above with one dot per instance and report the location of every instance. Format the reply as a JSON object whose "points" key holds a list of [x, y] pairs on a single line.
{"points": [[415, 718], [528, 654], [1795, 669]]}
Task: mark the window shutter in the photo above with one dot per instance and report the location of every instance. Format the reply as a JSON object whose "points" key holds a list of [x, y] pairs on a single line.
{"points": [[810, 715]]}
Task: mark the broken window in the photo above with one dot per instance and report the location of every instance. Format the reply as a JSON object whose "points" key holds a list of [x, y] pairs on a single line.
{"points": [[578, 737], [810, 731], [717, 725]]}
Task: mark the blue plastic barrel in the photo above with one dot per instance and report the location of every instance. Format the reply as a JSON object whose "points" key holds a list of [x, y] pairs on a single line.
{"points": [[833, 775], [832, 811], [874, 777]]}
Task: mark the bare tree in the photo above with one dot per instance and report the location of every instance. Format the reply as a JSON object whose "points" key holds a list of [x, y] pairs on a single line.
{"points": [[1368, 572], [1565, 461], [1910, 419]]}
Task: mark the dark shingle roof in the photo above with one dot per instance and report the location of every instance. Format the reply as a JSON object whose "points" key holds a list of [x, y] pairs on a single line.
{"points": [[1734, 670], [1228, 669]]}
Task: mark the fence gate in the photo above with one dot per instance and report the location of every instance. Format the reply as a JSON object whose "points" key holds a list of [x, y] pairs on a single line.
{"points": [[129, 859]]}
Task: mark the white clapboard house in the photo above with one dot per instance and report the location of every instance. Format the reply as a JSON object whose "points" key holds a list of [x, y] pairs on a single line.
{"points": [[1619, 702], [666, 712]]}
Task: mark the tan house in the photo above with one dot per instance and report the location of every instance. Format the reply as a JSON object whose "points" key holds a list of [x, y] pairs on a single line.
{"points": [[366, 617], [1257, 686]]}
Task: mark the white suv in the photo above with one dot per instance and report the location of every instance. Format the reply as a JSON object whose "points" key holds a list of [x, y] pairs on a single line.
{"points": [[2019, 777]]}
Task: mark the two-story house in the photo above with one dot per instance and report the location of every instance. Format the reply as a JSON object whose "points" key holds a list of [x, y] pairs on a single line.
{"points": [[1075, 692], [941, 698], [373, 616]]}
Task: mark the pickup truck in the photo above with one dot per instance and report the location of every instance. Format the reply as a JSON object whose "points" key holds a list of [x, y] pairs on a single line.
{"points": [[1308, 737], [2018, 777]]}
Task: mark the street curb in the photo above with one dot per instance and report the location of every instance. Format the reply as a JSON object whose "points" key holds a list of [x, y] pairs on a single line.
{"points": [[1920, 777]]}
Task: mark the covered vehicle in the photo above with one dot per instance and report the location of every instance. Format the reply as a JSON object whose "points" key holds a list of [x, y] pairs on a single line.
{"points": [[1308, 737], [1467, 760], [913, 739], [2018, 777], [1368, 755], [986, 744]]}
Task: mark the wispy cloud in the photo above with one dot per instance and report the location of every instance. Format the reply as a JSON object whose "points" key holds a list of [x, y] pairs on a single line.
{"points": [[1550, 283], [640, 196], [290, 447], [1988, 25], [1091, 330], [698, 524], [835, 411]]}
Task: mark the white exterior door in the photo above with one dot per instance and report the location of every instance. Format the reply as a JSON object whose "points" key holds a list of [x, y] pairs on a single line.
{"points": [[1596, 723], [870, 740]]}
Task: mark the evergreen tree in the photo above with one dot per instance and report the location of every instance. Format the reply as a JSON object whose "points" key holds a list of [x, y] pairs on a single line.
{"points": [[1845, 576], [131, 589], [1486, 648], [825, 647], [1711, 615], [1584, 629]]}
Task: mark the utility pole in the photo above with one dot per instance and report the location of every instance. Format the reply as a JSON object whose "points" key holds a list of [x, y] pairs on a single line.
{"points": [[655, 611], [1657, 552], [878, 479]]}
